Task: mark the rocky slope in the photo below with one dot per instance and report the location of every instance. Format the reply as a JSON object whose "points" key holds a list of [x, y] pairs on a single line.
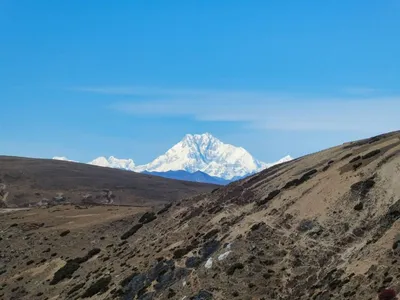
{"points": [[324, 226], [25, 181]]}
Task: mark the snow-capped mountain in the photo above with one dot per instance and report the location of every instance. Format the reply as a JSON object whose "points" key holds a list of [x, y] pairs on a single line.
{"points": [[113, 162], [63, 158], [205, 153], [282, 160], [195, 153]]}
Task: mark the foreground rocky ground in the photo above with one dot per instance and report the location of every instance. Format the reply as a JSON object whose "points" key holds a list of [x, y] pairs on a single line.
{"points": [[36, 243], [324, 226]]}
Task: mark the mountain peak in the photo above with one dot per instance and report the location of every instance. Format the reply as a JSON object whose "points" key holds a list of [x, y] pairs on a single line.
{"points": [[285, 159], [62, 158], [196, 153], [113, 162], [198, 142], [199, 135], [206, 153], [199, 138]]}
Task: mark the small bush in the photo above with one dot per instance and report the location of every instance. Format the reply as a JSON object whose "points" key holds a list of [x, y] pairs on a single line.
{"points": [[64, 233], [371, 154], [355, 159], [98, 287], [236, 266], [75, 288], [387, 294], [131, 231], [147, 217], [65, 272], [71, 266]]}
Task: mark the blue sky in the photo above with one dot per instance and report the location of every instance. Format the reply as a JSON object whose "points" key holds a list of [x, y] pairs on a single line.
{"points": [[130, 78]]}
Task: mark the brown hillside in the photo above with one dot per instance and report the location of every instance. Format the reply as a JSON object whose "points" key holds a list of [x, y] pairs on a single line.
{"points": [[27, 181], [324, 226]]}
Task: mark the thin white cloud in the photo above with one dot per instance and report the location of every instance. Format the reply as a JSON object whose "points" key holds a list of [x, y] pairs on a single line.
{"points": [[364, 91], [179, 93], [258, 110]]}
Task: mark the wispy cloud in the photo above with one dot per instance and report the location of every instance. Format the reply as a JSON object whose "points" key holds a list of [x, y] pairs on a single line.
{"points": [[364, 91], [166, 92], [260, 110]]}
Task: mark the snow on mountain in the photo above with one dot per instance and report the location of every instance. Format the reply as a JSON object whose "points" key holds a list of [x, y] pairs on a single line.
{"points": [[63, 158], [195, 153], [205, 153], [265, 166], [113, 162], [282, 160]]}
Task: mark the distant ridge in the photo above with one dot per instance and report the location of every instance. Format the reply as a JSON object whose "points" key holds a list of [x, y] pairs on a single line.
{"points": [[28, 181], [113, 162], [197, 176], [196, 153], [205, 153]]}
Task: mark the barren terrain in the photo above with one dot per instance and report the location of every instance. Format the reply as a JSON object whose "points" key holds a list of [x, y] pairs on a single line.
{"points": [[26, 182], [324, 226]]}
